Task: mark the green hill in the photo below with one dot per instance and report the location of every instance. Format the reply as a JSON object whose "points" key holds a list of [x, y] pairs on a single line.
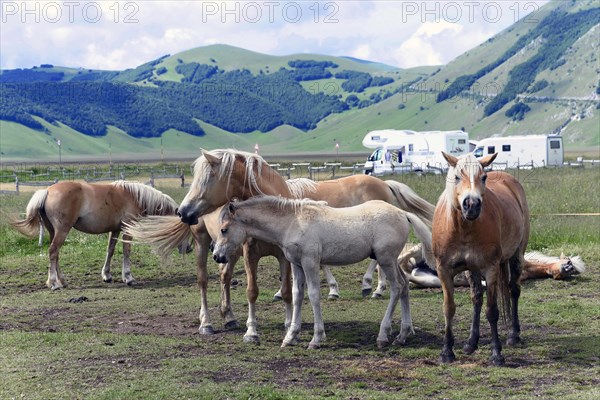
{"points": [[532, 78]]}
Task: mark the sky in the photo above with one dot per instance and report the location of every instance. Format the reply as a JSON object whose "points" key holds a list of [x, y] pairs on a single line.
{"points": [[115, 35]]}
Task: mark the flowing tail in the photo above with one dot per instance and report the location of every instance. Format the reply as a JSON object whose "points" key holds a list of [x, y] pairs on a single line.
{"points": [[409, 201], [30, 226], [424, 235], [163, 233]]}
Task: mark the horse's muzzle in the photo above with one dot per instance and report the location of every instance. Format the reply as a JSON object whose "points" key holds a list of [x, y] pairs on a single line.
{"points": [[187, 217], [220, 259], [471, 208]]}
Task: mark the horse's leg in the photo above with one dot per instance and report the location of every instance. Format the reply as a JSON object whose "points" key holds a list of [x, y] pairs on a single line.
{"points": [[110, 250], [56, 280], [474, 279], [447, 354], [368, 279], [226, 272], [285, 269], [333, 285], [514, 336], [201, 251], [311, 273], [251, 266], [292, 336], [406, 327], [493, 314], [385, 328], [381, 284], [126, 272]]}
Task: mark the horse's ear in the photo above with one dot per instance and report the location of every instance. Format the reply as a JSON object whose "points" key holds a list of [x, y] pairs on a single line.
{"points": [[212, 160], [562, 255], [486, 161], [450, 158], [231, 208]]}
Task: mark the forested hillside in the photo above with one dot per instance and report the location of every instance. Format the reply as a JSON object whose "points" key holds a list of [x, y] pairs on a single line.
{"points": [[235, 100]]}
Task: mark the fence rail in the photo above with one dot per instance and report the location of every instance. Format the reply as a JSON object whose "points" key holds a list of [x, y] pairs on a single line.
{"points": [[26, 176]]}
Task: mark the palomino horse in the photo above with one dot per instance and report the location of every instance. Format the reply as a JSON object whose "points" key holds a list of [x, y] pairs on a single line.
{"points": [[481, 225], [316, 233], [91, 209], [221, 175], [347, 192]]}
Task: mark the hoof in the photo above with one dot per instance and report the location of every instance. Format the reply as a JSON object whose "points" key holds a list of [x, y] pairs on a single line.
{"points": [[377, 296], [252, 339], [469, 348], [313, 346], [56, 287], [206, 330], [277, 297], [108, 280], [333, 297], [399, 342], [231, 325], [382, 344], [498, 360], [513, 341], [366, 292], [447, 357], [131, 283], [292, 342]]}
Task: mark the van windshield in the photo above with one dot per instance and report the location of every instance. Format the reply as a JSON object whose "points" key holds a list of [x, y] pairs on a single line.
{"points": [[478, 152]]}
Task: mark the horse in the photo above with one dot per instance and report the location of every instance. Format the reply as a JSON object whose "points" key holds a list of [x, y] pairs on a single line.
{"points": [[480, 225], [317, 234], [94, 209], [536, 266], [224, 174]]}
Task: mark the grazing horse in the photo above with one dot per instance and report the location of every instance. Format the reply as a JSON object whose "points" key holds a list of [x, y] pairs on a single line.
{"points": [[316, 233], [221, 175], [481, 225], [91, 209]]}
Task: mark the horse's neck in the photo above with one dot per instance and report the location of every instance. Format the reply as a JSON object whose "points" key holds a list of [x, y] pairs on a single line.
{"points": [[262, 224], [269, 183]]}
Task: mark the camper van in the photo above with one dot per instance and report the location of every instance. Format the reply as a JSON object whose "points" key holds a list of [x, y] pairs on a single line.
{"points": [[519, 151], [404, 150]]}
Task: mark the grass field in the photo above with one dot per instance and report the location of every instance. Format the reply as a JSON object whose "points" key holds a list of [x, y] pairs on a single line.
{"points": [[142, 343]]}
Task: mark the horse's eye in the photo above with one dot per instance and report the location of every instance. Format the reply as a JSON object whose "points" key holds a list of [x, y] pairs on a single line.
{"points": [[224, 231], [457, 178]]}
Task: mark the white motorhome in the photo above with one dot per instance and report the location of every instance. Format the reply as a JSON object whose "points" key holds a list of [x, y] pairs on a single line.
{"points": [[400, 150], [515, 151]]}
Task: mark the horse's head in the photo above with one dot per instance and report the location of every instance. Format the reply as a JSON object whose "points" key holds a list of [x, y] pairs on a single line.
{"points": [[465, 183], [219, 175], [231, 234]]}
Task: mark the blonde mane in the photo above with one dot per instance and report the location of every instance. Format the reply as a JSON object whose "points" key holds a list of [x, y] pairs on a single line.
{"points": [[226, 168], [300, 187], [281, 203], [152, 201]]}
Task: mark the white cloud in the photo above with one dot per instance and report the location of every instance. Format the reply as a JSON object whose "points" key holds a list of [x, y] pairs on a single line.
{"points": [[382, 31]]}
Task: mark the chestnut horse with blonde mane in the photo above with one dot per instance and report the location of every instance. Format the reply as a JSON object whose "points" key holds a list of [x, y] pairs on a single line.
{"points": [[481, 225], [95, 209], [223, 174]]}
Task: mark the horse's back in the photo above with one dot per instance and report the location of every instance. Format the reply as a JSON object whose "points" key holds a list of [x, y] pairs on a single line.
{"points": [[90, 208], [351, 190]]}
